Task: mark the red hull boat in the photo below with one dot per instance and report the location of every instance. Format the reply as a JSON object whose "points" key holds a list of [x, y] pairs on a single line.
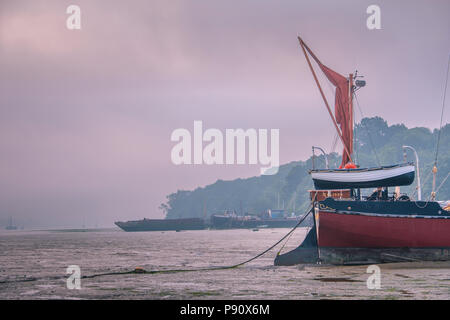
{"points": [[351, 228], [348, 230]]}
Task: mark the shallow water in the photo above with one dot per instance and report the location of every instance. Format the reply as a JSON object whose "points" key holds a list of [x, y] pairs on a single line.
{"points": [[33, 266]]}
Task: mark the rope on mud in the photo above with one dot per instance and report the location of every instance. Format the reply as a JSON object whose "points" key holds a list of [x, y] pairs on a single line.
{"points": [[139, 270], [143, 271]]}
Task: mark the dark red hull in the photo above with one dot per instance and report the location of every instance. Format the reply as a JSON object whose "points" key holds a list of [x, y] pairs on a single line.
{"points": [[344, 230]]}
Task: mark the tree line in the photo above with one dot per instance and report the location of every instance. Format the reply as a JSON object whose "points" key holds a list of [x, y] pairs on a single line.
{"points": [[375, 144]]}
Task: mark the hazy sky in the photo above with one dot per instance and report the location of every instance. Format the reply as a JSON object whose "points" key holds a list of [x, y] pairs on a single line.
{"points": [[86, 115]]}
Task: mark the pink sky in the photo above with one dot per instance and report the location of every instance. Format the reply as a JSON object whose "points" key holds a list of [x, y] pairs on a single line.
{"points": [[86, 116]]}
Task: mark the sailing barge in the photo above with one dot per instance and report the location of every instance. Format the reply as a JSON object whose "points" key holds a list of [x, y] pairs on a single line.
{"points": [[353, 229]]}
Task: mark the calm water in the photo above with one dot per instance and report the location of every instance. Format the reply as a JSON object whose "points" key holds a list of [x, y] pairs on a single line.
{"points": [[33, 266]]}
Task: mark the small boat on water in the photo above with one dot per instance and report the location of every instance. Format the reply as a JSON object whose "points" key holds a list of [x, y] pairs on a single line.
{"points": [[387, 176], [10, 226], [350, 228]]}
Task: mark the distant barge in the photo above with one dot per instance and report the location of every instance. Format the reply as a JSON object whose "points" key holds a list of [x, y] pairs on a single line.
{"points": [[222, 221], [162, 224]]}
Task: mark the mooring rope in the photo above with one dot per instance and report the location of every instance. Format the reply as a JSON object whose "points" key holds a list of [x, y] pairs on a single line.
{"points": [[139, 270], [143, 271], [367, 131]]}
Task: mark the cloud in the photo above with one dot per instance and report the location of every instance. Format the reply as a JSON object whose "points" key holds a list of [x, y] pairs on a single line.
{"points": [[86, 116]]}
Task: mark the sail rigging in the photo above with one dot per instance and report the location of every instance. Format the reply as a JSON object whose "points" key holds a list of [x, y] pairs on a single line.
{"points": [[343, 111]]}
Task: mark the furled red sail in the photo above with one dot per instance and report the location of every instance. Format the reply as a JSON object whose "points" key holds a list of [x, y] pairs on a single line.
{"points": [[342, 110], [343, 106]]}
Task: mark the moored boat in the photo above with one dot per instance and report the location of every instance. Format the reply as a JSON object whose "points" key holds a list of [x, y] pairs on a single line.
{"points": [[382, 224], [11, 226], [388, 176], [350, 228], [162, 224]]}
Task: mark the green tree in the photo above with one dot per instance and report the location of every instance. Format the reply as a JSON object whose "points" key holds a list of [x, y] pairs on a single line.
{"points": [[376, 143]]}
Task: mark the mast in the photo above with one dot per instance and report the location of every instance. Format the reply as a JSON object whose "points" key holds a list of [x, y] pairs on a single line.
{"points": [[303, 45], [350, 108]]}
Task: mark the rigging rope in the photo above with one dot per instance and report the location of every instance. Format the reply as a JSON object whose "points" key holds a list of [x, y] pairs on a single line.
{"points": [[423, 182], [334, 144], [442, 183], [442, 113], [367, 131]]}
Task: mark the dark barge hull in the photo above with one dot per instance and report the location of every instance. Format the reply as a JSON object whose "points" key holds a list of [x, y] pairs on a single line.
{"points": [[162, 225], [307, 253], [382, 224], [370, 232], [361, 256]]}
